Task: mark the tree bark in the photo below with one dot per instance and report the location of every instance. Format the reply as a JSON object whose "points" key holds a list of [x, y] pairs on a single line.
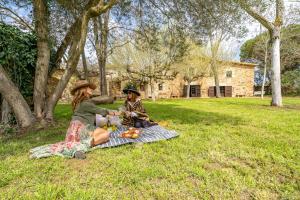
{"points": [[5, 112], [214, 52], [41, 15], [265, 70], [102, 100], [84, 64], [276, 80], [15, 100], [152, 90], [216, 78], [188, 89], [101, 25]]}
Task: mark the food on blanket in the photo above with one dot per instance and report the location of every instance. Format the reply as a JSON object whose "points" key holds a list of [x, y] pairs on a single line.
{"points": [[114, 128], [132, 133], [127, 135]]}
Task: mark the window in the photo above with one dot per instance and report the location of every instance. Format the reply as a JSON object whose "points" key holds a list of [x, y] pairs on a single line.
{"points": [[228, 74], [160, 86]]}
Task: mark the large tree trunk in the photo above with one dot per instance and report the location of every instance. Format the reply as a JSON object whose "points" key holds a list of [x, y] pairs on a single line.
{"points": [[101, 48], [274, 29], [188, 89], [5, 112], [15, 100], [43, 56], [276, 80]]}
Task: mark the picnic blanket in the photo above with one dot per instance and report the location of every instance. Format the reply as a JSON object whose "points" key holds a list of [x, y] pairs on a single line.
{"points": [[150, 134], [66, 149]]}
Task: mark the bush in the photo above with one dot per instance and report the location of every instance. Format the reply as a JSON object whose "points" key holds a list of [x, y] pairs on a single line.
{"points": [[18, 53], [291, 82]]}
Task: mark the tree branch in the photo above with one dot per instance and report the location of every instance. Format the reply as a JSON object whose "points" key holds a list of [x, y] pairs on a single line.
{"points": [[16, 18], [279, 12], [268, 25], [100, 8]]}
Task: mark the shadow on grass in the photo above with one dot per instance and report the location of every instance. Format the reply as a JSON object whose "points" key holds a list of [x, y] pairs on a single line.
{"points": [[189, 116], [159, 112]]}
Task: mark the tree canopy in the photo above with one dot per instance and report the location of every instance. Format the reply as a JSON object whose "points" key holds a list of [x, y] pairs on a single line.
{"points": [[290, 48]]}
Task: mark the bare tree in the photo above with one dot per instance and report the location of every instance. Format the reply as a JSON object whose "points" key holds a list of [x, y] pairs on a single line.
{"points": [[274, 33], [210, 21], [194, 66], [150, 58]]}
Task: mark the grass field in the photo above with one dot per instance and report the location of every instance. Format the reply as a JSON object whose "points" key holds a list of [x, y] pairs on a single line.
{"points": [[233, 148]]}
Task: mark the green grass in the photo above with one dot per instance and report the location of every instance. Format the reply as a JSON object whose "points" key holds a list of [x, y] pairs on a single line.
{"points": [[228, 149]]}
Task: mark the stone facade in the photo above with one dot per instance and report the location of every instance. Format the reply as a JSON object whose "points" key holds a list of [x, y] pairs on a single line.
{"points": [[240, 76]]}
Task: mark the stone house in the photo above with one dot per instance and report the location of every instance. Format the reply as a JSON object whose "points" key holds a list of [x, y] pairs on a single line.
{"points": [[236, 80]]}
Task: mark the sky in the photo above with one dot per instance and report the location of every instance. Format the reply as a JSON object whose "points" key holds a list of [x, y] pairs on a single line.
{"points": [[233, 44], [255, 28]]}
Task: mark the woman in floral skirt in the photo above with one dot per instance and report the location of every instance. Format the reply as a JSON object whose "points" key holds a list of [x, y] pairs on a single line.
{"points": [[81, 134]]}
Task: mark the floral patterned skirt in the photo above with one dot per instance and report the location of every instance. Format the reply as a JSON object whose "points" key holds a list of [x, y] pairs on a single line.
{"points": [[77, 139]]}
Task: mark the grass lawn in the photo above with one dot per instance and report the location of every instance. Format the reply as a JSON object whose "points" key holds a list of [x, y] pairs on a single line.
{"points": [[232, 148]]}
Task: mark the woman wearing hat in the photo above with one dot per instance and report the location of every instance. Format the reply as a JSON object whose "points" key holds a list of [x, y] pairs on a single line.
{"points": [[81, 134], [134, 112]]}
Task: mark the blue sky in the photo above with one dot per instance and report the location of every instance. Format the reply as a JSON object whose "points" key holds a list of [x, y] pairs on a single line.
{"points": [[234, 43]]}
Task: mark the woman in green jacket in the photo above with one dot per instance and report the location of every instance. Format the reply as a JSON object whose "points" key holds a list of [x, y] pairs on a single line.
{"points": [[82, 133]]}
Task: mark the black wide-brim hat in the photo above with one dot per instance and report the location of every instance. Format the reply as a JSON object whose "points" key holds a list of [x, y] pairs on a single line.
{"points": [[131, 88]]}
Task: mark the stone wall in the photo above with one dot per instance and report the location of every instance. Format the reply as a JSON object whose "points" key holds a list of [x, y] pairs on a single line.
{"points": [[242, 82]]}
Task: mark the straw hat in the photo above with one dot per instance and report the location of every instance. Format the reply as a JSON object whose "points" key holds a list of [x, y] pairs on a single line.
{"points": [[82, 83]]}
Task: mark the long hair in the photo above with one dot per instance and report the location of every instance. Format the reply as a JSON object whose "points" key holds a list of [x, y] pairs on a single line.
{"points": [[134, 97], [80, 95]]}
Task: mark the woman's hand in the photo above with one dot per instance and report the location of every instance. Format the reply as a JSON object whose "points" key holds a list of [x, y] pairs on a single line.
{"points": [[114, 113], [127, 113]]}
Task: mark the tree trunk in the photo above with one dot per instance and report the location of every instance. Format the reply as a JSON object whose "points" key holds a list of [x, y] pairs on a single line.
{"points": [[102, 100], [274, 29], [5, 112], [53, 99], [188, 89], [214, 45], [84, 64], [75, 52], [41, 15], [276, 80], [216, 78], [15, 100], [152, 90], [265, 70], [101, 48]]}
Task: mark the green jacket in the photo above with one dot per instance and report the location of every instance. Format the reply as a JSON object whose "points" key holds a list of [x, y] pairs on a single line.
{"points": [[86, 111]]}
